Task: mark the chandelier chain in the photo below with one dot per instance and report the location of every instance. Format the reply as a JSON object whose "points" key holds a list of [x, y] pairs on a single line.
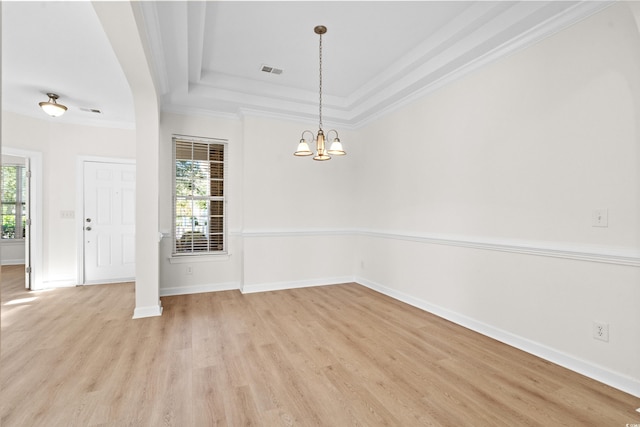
{"points": [[320, 104]]}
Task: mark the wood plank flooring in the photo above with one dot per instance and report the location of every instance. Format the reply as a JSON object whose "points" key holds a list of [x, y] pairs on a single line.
{"points": [[338, 355]]}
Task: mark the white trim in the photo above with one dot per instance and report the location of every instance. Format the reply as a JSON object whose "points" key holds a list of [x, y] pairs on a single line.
{"points": [[295, 233], [80, 161], [193, 139], [299, 117], [12, 242], [375, 110], [150, 311], [596, 372], [99, 159], [59, 283], [294, 284], [12, 261], [110, 281], [360, 109], [199, 289], [602, 254], [187, 259], [152, 31], [37, 209], [123, 123], [578, 252], [200, 139], [187, 110]]}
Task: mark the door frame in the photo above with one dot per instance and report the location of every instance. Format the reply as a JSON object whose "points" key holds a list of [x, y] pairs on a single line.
{"points": [[80, 161], [35, 200]]}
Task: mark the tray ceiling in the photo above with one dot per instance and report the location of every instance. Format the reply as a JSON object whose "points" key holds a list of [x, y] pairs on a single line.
{"points": [[207, 56]]}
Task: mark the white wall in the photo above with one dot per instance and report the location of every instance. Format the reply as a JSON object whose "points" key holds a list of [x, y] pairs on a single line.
{"points": [[295, 209], [286, 215], [490, 194], [12, 251], [60, 145], [214, 273]]}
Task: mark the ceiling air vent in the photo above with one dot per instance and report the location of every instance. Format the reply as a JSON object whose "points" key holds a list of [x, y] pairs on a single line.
{"points": [[91, 110], [271, 70]]}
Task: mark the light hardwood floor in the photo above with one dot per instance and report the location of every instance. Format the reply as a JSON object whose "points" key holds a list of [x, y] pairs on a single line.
{"points": [[334, 356]]}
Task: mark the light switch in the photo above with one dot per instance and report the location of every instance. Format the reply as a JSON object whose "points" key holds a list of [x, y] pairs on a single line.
{"points": [[600, 218], [67, 214]]}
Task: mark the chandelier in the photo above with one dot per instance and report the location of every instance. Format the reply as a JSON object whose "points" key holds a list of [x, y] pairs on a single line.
{"points": [[336, 146]]}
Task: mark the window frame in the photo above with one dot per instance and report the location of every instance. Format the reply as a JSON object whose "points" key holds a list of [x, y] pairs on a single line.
{"points": [[19, 203], [175, 255]]}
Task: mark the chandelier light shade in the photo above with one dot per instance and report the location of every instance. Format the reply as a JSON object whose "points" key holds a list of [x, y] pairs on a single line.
{"points": [[319, 140], [51, 107]]}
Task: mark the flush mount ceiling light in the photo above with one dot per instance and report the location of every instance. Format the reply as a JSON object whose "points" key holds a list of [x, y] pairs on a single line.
{"points": [[51, 107], [336, 146]]}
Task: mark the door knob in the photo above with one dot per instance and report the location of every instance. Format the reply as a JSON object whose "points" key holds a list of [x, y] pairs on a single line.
{"points": [[88, 219], [88, 228]]}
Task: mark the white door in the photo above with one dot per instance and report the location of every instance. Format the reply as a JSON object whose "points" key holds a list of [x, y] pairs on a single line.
{"points": [[109, 222]]}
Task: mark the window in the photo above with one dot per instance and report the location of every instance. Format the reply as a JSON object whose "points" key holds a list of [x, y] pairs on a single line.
{"points": [[199, 202], [14, 194]]}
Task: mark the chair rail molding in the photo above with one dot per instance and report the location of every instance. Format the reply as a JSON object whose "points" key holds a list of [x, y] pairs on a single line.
{"points": [[573, 251]]}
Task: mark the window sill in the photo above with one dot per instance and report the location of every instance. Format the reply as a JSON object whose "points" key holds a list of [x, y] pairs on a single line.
{"points": [[12, 241], [184, 259]]}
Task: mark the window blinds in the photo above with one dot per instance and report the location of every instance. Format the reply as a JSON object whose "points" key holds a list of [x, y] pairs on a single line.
{"points": [[199, 201]]}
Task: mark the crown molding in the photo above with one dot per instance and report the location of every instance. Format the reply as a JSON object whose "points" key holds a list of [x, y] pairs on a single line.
{"points": [[151, 28], [372, 111], [426, 69], [185, 110], [69, 119]]}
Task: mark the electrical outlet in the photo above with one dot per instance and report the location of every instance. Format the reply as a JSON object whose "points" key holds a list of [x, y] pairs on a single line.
{"points": [[601, 331]]}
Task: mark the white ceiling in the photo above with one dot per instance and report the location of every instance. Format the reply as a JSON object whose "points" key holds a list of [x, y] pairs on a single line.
{"points": [[207, 56], [60, 47]]}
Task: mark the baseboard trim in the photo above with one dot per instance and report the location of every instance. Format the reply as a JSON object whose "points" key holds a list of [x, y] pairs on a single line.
{"points": [[109, 281], [199, 289], [598, 373], [12, 261], [294, 284], [149, 311], [62, 283]]}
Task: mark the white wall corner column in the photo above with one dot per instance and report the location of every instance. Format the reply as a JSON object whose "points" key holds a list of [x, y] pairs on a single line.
{"points": [[119, 22]]}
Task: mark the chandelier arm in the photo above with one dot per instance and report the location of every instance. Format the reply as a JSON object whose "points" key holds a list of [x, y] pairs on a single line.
{"points": [[303, 132], [334, 131]]}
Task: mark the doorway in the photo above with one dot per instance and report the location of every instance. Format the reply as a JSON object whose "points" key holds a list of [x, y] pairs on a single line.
{"points": [[108, 221], [32, 161]]}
